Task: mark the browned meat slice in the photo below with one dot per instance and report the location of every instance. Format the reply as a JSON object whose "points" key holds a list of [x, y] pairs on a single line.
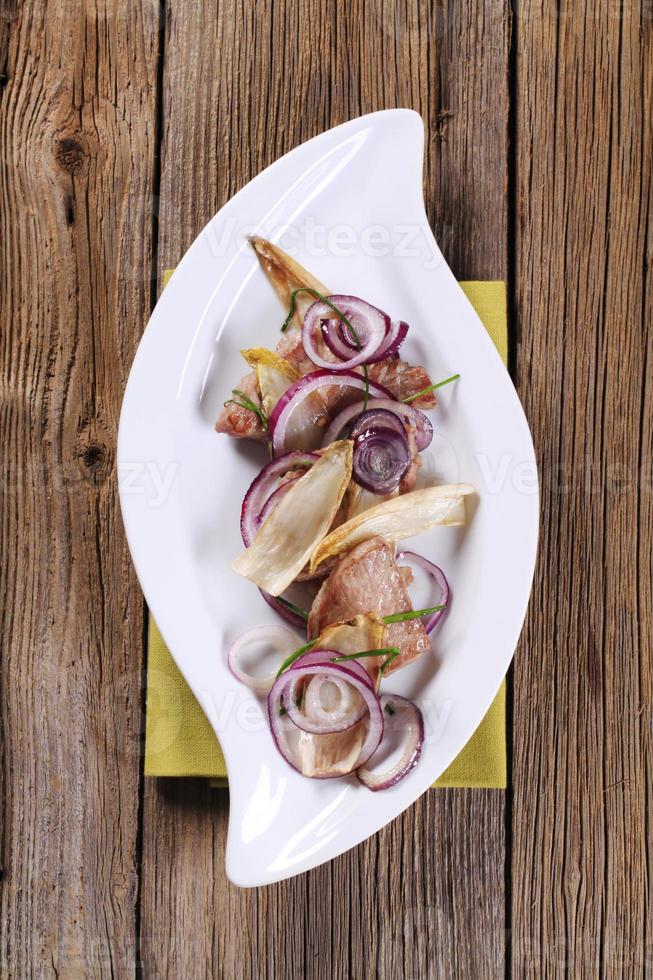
{"points": [[291, 348], [369, 580], [242, 423], [404, 380]]}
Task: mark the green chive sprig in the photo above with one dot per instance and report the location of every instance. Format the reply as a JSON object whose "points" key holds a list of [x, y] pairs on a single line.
{"points": [[426, 391], [403, 617]]}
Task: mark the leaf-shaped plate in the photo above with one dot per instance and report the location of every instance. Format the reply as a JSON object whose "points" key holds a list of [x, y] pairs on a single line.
{"points": [[348, 205]]}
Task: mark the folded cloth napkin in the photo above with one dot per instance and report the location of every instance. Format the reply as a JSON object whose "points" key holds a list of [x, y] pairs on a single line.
{"points": [[179, 740]]}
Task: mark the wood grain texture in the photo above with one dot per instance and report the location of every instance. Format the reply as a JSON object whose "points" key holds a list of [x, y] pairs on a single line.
{"points": [[242, 85], [77, 144], [583, 680]]}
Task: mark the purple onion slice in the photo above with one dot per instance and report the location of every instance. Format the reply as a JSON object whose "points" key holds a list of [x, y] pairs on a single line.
{"points": [[290, 616], [417, 418], [375, 418], [408, 557], [404, 717], [301, 389], [304, 703], [370, 324], [381, 458], [393, 341], [279, 718], [277, 637]]}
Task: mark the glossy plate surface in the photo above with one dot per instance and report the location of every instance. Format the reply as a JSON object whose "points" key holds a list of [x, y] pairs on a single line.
{"points": [[348, 205]]}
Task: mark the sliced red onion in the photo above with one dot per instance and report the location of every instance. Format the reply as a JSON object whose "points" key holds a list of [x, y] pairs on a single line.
{"points": [[399, 715], [336, 339], [295, 395], [261, 488], [278, 637], [429, 622], [285, 612], [417, 418], [375, 418], [312, 716], [381, 458], [393, 341], [371, 325], [277, 700], [340, 345]]}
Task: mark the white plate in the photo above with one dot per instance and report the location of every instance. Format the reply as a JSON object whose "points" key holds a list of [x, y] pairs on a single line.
{"points": [[348, 205]]}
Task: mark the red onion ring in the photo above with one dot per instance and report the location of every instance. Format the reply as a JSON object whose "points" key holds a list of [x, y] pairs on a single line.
{"points": [[260, 489], [371, 325], [376, 418], [312, 717], [258, 634], [295, 395], [279, 731], [412, 751], [429, 622], [421, 422], [381, 458], [291, 617], [340, 345], [393, 341]]}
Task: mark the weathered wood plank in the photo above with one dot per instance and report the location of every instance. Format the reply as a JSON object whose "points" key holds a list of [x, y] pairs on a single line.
{"points": [[583, 680], [77, 142], [243, 84]]}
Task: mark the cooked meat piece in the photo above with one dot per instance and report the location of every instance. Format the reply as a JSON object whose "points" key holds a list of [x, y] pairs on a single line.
{"points": [[242, 423], [291, 348], [369, 580], [404, 380]]}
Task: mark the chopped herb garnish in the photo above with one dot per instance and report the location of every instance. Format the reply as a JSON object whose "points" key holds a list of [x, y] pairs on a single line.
{"points": [[402, 617], [295, 656], [292, 607], [246, 402], [389, 710], [426, 391], [341, 316], [243, 401]]}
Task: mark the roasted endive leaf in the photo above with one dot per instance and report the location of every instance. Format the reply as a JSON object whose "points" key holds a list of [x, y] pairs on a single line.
{"points": [[363, 633], [289, 536], [400, 517], [274, 375], [359, 499], [286, 276]]}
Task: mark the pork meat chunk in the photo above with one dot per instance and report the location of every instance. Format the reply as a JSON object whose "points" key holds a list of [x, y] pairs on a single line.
{"points": [[366, 580]]}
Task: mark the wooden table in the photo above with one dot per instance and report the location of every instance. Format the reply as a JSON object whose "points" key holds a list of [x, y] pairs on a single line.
{"points": [[124, 125]]}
